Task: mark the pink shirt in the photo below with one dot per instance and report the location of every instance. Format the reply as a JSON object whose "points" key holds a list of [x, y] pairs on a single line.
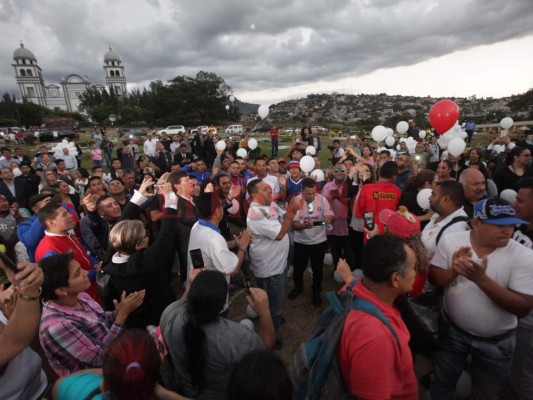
{"points": [[96, 155]]}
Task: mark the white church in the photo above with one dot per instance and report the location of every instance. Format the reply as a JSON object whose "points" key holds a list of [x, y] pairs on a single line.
{"points": [[66, 95]]}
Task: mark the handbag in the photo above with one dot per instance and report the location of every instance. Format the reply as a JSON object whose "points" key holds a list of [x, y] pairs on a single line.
{"points": [[423, 315], [105, 288]]}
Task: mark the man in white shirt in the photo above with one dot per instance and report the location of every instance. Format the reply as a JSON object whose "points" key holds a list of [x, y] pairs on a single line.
{"points": [[149, 145], [262, 173], [488, 283], [70, 160], [205, 235], [310, 240], [270, 244], [446, 202]]}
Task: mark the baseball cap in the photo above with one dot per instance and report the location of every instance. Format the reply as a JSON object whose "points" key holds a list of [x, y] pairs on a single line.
{"points": [[400, 223], [37, 198], [294, 164], [496, 211], [282, 160]]}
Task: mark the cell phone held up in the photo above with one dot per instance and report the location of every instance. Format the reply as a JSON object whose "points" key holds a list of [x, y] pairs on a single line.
{"points": [[8, 263], [196, 258], [369, 220]]}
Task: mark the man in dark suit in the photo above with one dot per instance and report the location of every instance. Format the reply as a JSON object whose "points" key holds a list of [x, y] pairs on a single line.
{"points": [[183, 157], [13, 189], [314, 141], [186, 217], [29, 177]]}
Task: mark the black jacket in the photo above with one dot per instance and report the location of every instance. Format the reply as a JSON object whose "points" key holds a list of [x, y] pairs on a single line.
{"points": [[21, 192], [147, 269]]}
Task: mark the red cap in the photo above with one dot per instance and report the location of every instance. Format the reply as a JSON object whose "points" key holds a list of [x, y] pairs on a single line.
{"points": [[294, 164], [400, 223], [282, 160]]}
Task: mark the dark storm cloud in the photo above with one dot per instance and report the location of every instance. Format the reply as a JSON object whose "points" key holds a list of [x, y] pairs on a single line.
{"points": [[295, 42]]}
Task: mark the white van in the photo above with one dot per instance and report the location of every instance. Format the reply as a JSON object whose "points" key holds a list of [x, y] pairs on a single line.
{"points": [[234, 130]]}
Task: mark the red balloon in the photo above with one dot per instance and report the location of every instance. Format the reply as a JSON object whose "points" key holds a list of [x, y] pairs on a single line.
{"points": [[443, 115]]}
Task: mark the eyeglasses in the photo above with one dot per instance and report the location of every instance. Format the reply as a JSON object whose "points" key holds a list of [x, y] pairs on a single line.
{"points": [[339, 170]]}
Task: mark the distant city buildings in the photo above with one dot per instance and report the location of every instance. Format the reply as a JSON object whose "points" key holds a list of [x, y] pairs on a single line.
{"points": [[66, 95]]}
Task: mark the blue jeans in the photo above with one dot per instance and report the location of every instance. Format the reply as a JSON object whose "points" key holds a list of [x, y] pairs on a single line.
{"points": [[491, 366], [274, 286], [522, 371], [97, 163], [274, 148]]}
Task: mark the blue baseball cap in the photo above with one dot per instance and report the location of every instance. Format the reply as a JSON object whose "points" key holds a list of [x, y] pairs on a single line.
{"points": [[496, 211]]}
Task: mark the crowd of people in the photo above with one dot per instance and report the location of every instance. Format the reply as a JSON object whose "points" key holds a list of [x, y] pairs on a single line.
{"points": [[108, 249]]}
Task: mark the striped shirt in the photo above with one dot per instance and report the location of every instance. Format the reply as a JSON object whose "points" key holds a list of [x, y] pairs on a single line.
{"points": [[73, 338]]}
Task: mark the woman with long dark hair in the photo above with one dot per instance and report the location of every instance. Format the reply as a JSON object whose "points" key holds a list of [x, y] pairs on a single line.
{"points": [[517, 167], [202, 345]]}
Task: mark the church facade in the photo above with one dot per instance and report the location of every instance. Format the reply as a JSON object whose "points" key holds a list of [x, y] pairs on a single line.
{"points": [[66, 95]]}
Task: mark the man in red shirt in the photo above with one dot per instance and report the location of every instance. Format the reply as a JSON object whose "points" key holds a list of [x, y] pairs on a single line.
{"points": [[374, 364], [274, 135], [381, 195], [58, 223]]}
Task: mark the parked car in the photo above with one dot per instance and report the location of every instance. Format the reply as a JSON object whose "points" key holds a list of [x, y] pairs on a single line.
{"points": [[319, 129], [234, 130], [131, 132], [57, 134], [172, 130], [262, 128]]}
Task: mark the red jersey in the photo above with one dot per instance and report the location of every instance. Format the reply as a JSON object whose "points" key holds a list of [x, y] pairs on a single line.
{"points": [[376, 197], [372, 364], [274, 134]]}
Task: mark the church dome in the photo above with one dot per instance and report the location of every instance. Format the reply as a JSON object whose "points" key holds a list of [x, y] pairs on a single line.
{"points": [[23, 53], [111, 56]]}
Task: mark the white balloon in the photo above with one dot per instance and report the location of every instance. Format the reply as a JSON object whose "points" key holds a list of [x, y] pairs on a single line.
{"points": [[232, 98], [252, 27], [509, 195], [328, 259], [319, 175], [221, 145], [242, 153], [422, 198], [464, 135], [379, 133], [227, 107], [398, 147], [506, 123], [250, 312], [338, 277], [389, 140], [456, 147], [310, 150], [390, 132], [252, 144], [457, 128], [247, 323], [263, 111], [402, 127], [422, 134], [442, 142], [307, 163]]}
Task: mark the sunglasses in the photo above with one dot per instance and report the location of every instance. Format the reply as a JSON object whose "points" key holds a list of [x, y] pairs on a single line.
{"points": [[339, 170]]}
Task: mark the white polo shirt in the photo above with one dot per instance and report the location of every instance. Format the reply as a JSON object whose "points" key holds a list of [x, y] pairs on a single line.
{"points": [[466, 304], [268, 255], [215, 252]]}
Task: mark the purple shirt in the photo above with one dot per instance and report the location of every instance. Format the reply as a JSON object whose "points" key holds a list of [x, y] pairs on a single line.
{"points": [[339, 208], [75, 339]]}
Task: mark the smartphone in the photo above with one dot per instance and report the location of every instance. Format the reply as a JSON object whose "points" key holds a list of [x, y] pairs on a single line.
{"points": [[417, 158], [318, 223], [8, 263], [196, 258], [369, 220]]}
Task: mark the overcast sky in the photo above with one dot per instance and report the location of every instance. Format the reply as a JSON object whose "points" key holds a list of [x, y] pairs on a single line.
{"points": [[408, 47]]}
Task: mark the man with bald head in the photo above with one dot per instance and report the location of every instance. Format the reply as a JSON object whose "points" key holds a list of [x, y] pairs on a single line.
{"points": [[475, 188]]}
